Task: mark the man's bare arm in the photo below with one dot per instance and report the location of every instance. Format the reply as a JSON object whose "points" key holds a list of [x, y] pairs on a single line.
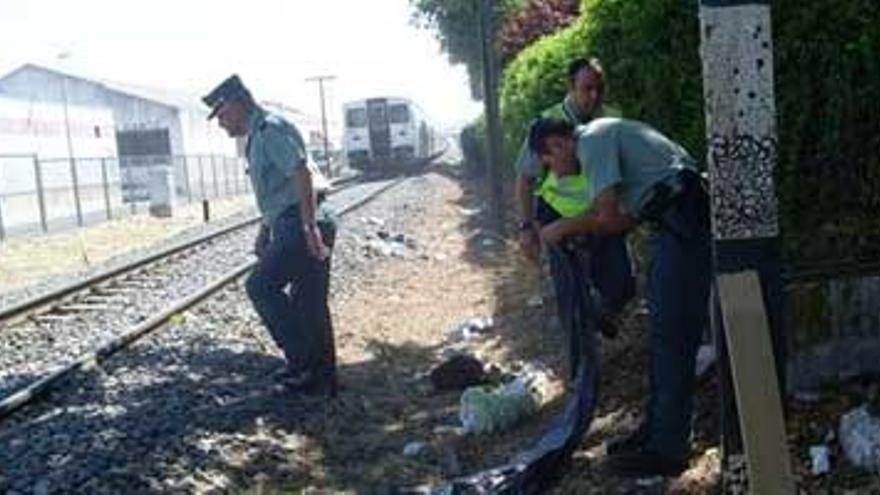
{"points": [[525, 199], [308, 204], [302, 185], [605, 217]]}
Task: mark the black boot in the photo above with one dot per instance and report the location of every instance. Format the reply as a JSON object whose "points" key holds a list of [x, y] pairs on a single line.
{"points": [[630, 442], [643, 463]]}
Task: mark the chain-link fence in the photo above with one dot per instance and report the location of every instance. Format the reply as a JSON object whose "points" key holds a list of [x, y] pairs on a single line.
{"points": [[47, 194]]}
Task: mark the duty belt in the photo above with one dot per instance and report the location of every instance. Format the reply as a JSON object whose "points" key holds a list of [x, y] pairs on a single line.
{"points": [[664, 193]]}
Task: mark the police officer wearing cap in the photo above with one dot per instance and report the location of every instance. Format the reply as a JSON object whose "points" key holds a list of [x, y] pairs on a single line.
{"points": [[290, 282]]}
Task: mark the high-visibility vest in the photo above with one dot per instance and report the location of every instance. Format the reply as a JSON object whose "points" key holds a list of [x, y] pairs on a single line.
{"points": [[566, 194]]}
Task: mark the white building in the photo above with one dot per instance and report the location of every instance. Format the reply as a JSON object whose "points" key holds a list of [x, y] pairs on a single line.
{"points": [[37, 181], [40, 128], [139, 131], [147, 121]]}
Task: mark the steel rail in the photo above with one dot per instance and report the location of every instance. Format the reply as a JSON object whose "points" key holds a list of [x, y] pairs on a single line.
{"points": [[41, 386], [15, 313]]}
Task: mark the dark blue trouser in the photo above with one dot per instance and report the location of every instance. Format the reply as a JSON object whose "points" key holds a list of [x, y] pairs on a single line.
{"points": [[679, 278], [594, 261], [289, 288]]}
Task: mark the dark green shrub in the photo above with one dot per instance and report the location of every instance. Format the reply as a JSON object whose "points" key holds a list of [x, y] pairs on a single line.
{"points": [[827, 62], [827, 57], [649, 51]]}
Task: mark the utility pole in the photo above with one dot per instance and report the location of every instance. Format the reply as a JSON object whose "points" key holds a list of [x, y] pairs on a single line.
{"points": [[490, 99], [73, 174], [320, 80]]}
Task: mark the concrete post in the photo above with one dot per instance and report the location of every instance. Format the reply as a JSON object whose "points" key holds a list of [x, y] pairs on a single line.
{"points": [[226, 180], [2, 228], [186, 180], [214, 176], [202, 177], [737, 56], [77, 201], [106, 184], [161, 188], [41, 194]]}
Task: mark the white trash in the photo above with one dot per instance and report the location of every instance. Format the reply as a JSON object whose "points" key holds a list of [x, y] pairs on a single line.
{"points": [[535, 302], [471, 328], [488, 410], [820, 460], [374, 221], [860, 438]]}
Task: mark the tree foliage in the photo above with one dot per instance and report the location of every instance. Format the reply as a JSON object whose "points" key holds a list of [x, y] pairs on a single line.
{"points": [[534, 19], [456, 24], [828, 101], [648, 49]]}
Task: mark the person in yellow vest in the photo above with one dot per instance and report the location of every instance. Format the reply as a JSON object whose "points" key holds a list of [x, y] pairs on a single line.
{"points": [[543, 198], [639, 176]]}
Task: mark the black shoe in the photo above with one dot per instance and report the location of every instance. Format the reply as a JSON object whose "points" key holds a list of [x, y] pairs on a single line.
{"points": [[633, 441], [311, 383], [643, 463]]}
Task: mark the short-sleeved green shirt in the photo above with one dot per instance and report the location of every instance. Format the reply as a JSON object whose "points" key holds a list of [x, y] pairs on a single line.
{"points": [[275, 150], [629, 155]]}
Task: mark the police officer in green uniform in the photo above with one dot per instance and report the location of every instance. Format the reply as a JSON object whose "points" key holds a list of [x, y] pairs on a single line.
{"points": [[289, 284], [543, 198], [639, 175]]}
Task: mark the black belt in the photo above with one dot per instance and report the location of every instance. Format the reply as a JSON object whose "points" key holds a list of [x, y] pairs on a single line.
{"points": [[664, 193]]}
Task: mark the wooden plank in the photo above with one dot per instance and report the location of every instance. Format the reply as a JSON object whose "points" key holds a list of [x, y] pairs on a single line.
{"points": [[754, 378]]}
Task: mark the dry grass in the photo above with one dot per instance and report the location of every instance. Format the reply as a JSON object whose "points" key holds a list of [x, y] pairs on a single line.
{"points": [[28, 260]]}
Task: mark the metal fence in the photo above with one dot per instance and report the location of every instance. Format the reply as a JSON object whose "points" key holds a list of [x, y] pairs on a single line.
{"points": [[48, 194]]}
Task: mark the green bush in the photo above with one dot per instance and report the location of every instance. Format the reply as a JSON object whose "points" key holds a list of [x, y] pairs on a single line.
{"points": [[648, 49], [534, 81], [827, 93], [827, 62]]}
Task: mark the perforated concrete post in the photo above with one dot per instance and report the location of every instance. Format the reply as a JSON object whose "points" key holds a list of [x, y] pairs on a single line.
{"points": [[737, 56], [737, 53]]}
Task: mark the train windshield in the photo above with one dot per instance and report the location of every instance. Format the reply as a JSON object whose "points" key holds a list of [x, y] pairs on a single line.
{"points": [[356, 117], [398, 114]]}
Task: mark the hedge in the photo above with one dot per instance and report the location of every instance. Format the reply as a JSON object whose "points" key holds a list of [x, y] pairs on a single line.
{"points": [[827, 92]]}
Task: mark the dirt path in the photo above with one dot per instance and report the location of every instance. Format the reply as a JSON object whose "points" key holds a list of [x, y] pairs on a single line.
{"points": [[392, 314], [392, 329]]}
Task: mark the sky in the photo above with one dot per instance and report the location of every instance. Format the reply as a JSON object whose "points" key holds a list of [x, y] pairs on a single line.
{"points": [[370, 46]]}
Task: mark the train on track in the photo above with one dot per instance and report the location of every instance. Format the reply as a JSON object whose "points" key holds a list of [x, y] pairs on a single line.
{"points": [[387, 134]]}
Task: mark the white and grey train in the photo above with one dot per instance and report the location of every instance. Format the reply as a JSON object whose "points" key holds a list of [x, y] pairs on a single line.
{"points": [[387, 133]]}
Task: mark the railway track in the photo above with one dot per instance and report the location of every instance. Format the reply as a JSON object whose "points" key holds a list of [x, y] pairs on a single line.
{"points": [[50, 337], [51, 300]]}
